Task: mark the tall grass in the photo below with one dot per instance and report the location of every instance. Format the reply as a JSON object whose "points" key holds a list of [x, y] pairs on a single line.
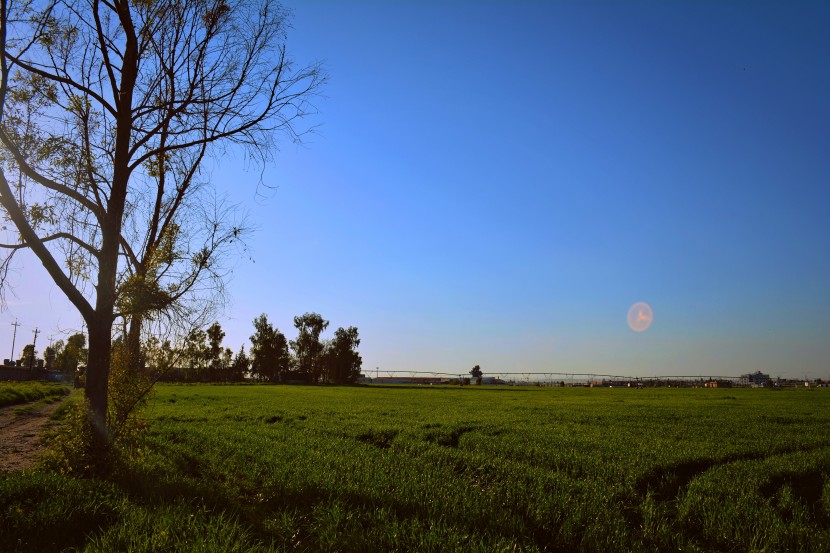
{"points": [[284, 468], [13, 393]]}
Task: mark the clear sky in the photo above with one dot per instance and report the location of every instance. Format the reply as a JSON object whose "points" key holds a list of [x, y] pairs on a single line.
{"points": [[496, 183]]}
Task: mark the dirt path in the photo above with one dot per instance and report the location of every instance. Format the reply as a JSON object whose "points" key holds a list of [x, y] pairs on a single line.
{"points": [[21, 434]]}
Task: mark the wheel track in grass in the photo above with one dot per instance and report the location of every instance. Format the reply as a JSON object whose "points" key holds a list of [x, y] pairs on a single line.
{"points": [[665, 483]]}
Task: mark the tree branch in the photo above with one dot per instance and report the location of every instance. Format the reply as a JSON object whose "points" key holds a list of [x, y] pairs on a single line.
{"points": [[4, 70], [51, 237], [63, 80], [104, 50], [36, 176], [30, 237], [128, 251]]}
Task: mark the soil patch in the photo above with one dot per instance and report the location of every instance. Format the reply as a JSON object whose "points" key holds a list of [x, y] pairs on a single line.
{"points": [[21, 434]]}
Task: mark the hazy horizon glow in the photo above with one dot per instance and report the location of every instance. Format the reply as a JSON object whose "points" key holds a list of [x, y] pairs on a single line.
{"points": [[497, 184]]}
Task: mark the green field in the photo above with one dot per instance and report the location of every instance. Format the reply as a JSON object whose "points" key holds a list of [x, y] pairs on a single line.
{"points": [[292, 468], [13, 393]]}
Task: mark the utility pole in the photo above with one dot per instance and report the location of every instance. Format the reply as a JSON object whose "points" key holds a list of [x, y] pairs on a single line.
{"points": [[32, 358], [15, 324]]}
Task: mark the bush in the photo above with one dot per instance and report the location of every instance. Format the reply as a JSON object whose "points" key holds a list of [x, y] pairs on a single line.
{"points": [[76, 448], [71, 448], [130, 387]]}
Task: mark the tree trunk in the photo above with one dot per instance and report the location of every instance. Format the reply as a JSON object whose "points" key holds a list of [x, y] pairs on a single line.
{"points": [[100, 326], [97, 372], [134, 341]]}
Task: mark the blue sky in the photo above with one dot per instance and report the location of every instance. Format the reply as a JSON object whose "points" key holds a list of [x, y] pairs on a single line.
{"points": [[496, 183]]}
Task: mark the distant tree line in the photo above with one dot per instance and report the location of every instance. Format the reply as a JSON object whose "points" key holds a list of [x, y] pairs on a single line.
{"points": [[307, 359], [62, 356]]}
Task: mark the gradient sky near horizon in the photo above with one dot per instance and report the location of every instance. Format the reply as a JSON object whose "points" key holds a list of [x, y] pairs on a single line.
{"points": [[496, 183]]}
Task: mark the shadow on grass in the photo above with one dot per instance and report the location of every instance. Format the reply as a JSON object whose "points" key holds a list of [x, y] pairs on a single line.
{"points": [[447, 437], [382, 439], [806, 487], [43, 512], [196, 484]]}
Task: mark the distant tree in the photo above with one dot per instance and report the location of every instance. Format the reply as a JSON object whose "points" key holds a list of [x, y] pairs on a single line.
{"points": [[195, 355], [269, 352], [226, 364], [58, 348], [240, 366], [214, 337], [49, 356], [476, 373], [71, 354], [340, 359], [307, 347], [160, 357], [29, 356]]}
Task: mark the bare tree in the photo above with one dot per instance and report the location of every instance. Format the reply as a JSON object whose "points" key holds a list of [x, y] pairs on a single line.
{"points": [[109, 109]]}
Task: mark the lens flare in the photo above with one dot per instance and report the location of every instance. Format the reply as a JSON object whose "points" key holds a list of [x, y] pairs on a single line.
{"points": [[640, 316]]}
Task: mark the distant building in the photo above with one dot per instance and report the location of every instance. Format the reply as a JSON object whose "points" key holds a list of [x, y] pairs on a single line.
{"points": [[718, 384], [755, 380]]}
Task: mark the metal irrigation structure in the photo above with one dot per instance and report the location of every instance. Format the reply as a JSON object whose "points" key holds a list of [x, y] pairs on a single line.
{"points": [[549, 378]]}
